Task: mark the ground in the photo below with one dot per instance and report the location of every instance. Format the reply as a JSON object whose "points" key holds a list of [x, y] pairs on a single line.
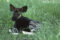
{"points": [[47, 12]]}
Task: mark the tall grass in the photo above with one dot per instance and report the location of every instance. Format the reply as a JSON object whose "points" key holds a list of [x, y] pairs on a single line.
{"points": [[47, 13]]}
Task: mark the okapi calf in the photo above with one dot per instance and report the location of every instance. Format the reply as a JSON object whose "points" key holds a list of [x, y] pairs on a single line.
{"points": [[22, 24]]}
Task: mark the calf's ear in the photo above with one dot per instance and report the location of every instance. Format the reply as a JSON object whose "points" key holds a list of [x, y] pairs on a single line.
{"points": [[23, 9], [12, 8]]}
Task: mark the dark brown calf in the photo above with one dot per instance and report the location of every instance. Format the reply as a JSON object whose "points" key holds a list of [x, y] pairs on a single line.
{"points": [[22, 23]]}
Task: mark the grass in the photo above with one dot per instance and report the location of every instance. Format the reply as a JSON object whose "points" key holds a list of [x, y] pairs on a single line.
{"points": [[47, 13]]}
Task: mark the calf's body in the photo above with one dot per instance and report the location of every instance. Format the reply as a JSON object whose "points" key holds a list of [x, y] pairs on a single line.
{"points": [[22, 23]]}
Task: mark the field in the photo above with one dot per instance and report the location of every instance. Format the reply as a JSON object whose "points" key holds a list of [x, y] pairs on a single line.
{"points": [[47, 12]]}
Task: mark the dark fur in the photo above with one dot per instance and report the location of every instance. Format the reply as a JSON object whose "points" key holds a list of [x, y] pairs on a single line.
{"points": [[22, 23]]}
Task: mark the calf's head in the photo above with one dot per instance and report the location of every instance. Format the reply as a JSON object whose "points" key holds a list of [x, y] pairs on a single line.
{"points": [[17, 12]]}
